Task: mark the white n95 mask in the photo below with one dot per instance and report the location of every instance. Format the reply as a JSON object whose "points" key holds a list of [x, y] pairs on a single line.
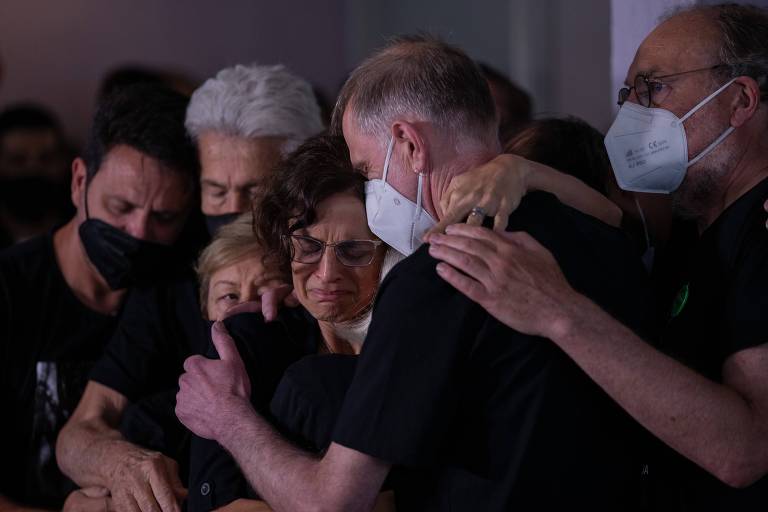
{"points": [[393, 217], [648, 148]]}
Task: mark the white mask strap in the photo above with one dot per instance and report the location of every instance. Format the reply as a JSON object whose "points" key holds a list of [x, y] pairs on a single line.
{"points": [[711, 146], [386, 159], [706, 100], [418, 196]]}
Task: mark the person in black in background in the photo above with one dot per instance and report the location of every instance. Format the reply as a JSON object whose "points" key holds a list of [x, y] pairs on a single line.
{"points": [[61, 293], [34, 173], [513, 105], [475, 415], [123, 434]]}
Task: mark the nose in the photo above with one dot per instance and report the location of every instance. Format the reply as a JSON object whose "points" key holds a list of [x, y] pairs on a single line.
{"points": [[248, 292], [138, 226], [328, 268], [237, 202]]}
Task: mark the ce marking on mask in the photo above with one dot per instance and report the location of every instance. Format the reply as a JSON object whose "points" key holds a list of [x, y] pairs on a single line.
{"points": [[636, 157]]}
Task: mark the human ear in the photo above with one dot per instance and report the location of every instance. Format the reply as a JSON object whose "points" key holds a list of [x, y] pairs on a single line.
{"points": [[79, 179], [746, 102], [417, 155]]}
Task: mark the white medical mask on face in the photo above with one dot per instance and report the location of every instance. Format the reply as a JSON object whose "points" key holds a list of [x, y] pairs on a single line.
{"points": [[648, 147], [393, 217]]}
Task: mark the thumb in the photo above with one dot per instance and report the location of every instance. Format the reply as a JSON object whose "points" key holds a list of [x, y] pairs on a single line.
{"points": [[95, 492], [224, 343]]}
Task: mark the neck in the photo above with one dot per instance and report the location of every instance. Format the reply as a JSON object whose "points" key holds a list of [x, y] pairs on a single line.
{"points": [[750, 169], [460, 162], [83, 279], [333, 343]]}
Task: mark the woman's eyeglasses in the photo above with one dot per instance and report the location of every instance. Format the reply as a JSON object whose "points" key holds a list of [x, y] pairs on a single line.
{"points": [[350, 253]]}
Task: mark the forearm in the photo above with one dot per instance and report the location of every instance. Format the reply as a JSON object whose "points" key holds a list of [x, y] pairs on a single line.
{"points": [[288, 478], [243, 505], [574, 193], [705, 421], [89, 451]]}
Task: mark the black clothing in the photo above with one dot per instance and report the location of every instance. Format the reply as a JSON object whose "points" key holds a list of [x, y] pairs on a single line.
{"points": [[267, 349], [48, 340], [482, 417], [720, 311], [159, 328]]}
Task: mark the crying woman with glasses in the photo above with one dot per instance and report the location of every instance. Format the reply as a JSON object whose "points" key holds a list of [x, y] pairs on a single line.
{"points": [[310, 226]]}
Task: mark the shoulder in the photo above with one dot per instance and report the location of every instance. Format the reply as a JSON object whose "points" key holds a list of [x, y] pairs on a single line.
{"points": [[31, 253]]}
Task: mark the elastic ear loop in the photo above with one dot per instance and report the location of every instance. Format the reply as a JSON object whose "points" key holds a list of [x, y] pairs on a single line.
{"points": [[645, 225], [722, 136]]}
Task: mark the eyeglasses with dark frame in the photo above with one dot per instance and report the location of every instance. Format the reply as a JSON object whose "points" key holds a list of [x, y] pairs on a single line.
{"points": [[350, 253], [647, 88]]}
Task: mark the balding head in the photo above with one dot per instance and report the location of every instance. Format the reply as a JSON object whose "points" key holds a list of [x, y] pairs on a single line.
{"points": [[418, 78]]}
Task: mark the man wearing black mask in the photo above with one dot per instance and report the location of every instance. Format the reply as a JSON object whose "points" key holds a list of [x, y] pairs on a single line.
{"points": [[124, 434], [61, 293]]}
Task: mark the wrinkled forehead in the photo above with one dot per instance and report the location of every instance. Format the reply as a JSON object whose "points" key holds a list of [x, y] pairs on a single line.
{"points": [[683, 42]]}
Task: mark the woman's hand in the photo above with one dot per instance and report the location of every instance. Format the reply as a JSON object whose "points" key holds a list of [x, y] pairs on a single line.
{"points": [[496, 186]]}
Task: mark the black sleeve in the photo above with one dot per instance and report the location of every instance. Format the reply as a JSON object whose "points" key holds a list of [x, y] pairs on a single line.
{"points": [[402, 399], [136, 361], [215, 480], [746, 302]]}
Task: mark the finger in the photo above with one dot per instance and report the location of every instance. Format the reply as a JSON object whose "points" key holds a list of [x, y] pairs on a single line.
{"points": [[475, 219], [465, 284], [95, 491], [162, 489], [501, 219], [476, 232], [224, 343], [193, 362], [525, 240], [252, 306], [145, 501], [451, 216], [467, 263], [476, 247]]}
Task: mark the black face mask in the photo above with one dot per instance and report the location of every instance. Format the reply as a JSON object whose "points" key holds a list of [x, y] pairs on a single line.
{"points": [[215, 222], [121, 259]]}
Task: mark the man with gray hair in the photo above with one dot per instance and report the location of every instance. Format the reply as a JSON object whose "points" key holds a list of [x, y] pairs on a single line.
{"points": [[474, 415], [243, 121], [692, 124]]}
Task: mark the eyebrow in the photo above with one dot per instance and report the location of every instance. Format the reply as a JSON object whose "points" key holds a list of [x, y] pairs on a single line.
{"points": [[211, 183], [228, 283]]}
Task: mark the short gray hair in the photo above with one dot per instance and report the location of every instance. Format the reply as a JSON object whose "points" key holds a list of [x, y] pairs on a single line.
{"points": [[743, 46], [423, 76], [255, 101]]}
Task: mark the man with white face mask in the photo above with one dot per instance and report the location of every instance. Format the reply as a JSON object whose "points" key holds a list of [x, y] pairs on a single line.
{"points": [[693, 124], [473, 415]]}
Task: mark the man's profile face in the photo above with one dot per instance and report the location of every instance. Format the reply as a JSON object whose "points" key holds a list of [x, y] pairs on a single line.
{"points": [[136, 194], [683, 43], [368, 153], [233, 170]]}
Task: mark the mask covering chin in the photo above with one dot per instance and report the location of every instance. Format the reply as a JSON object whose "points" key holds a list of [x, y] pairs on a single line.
{"points": [[393, 217], [216, 222], [121, 259], [648, 147]]}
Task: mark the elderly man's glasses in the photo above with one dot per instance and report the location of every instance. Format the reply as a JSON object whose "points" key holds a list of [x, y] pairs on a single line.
{"points": [[350, 253], [653, 90]]}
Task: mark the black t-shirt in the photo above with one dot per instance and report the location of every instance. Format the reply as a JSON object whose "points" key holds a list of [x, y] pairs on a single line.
{"points": [[159, 328], [267, 349], [721, 310], [49, 341], [481, 417]]}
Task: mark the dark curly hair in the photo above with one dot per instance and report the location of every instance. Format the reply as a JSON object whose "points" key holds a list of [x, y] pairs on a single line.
{"points": [[148, 118], [315, 171]]}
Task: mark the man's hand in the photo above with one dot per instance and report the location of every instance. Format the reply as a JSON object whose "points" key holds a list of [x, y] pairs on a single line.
{"points": [[88, 499], [147, 481], [213, 391], [512, 276], [496, 186], [268, 304]]}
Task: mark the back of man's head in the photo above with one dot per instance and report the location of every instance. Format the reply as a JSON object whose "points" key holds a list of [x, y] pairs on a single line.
{"points": [[150, 119], [419, 78], [256, 101]]}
